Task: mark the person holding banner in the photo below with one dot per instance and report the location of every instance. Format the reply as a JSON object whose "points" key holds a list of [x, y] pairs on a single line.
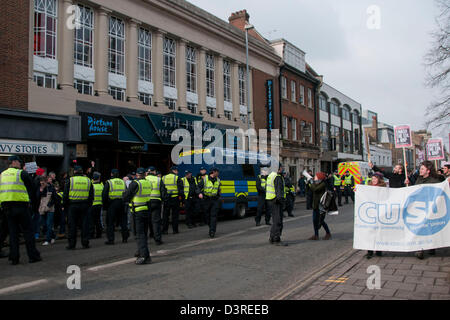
{"points": [[427, 175], [396, 177], [377, 181]]}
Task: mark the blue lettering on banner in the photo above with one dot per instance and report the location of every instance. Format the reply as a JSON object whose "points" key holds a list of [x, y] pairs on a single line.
{"points": [[427, 211], [99, 127], [270, 111]]}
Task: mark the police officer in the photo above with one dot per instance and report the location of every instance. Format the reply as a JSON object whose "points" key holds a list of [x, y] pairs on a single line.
{"points": [[157, 193], [138, 197], [261, 187], [289, 194], [113, 203], [274, 202], [175, 188], [337, 182], [200, 203], [349, 183], [209, 191], [16, 191], [77, 199], [190, 187], [96, 227]]}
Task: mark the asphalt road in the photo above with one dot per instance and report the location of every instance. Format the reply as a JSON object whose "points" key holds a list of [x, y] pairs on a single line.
{"points": [[238, 264]]}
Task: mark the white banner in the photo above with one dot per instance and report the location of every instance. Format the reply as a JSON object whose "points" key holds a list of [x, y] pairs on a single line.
{"points": [[402, 220]]}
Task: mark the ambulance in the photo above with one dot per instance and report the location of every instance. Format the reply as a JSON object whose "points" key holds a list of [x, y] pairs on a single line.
{"points": [[358, 169], [237, 174]]}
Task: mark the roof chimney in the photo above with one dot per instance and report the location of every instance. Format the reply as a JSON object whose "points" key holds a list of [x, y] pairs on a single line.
{"points": [[239, 19]]}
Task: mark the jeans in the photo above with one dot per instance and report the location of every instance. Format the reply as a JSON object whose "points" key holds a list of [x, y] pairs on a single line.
{"points": [[318, 222], [47, 221], [36, 224]]}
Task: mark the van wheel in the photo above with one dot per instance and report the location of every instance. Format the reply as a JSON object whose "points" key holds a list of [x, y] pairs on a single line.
{"points": [[240, 211]]}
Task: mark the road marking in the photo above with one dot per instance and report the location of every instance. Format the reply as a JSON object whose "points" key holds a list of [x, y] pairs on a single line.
{"points": [[338, 280], [23, 286], [195, 243]]}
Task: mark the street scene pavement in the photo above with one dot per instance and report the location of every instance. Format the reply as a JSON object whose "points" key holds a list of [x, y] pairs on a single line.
{"points": [[239, 264]]}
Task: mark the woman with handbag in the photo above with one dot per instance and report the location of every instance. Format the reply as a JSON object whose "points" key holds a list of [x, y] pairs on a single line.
{"points": [[47, 196], [318, 188]]}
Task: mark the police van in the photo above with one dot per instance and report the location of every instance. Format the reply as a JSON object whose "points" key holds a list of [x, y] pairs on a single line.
{"points": [[237, 173], [358, 169]]}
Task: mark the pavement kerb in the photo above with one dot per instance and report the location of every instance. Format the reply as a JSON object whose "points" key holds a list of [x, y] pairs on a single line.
{"points": [[301, 285]]}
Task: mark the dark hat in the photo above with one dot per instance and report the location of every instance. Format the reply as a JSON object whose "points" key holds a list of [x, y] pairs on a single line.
{"points": [[187, 171], [140, 171], [151, 168], [173, 168], [202, 168], [114, 171], [96, 175], [214, 169], [14, 158]]}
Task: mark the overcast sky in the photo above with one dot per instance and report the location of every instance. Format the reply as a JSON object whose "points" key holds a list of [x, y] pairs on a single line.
{"points": [[382, 69]]}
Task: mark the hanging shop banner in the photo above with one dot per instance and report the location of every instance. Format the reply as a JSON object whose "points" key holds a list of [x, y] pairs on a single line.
{"points": [[402, 137], [98, 127], [402, 220], [435, 149], [270, 105], [38, 148]]}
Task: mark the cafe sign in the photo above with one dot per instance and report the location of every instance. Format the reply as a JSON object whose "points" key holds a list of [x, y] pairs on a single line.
{"points": [[38, 148]]}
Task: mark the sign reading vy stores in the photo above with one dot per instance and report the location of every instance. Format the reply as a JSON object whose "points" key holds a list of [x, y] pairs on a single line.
{"points": [[98, 127], [435, 149], [38, 148], [402, 136]]}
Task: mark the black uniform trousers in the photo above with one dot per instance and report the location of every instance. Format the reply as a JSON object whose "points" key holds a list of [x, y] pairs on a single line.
{"points": [[348, 191], [338, 194], [261, 208], [78, 216], [212, 207], [171, 206], [275, 208], [290, 199], [3, 227], [142, 219], [19, 219], [189, 207], [155, 220], [116, 210], [309, 200], [95, 223]]}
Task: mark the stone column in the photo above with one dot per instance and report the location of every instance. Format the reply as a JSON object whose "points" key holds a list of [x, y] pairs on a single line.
{"points": [[219, 87], [132, 60], [157, 68], [101, 52], [181, 74], [201, 81], [235, 91], [66, 39]]}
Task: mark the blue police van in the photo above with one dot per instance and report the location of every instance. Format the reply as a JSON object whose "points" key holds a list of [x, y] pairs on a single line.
{"points": [[237, 172]]}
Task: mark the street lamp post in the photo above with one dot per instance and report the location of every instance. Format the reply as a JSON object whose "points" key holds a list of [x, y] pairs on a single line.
{"points": [[247, 27]]}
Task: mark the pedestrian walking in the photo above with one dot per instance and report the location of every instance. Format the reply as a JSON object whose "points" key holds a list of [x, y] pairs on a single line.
{"points": [[209, 191], [427, 175], [175, 189], [275, 201], [138, 197], [157, 193], [318, 188], [200, 203], [77, 199], [289, 193], [16, 193], [96, 225], [261, 181], [349, 184], [113, 203], [190, 191], [48, 198], [377, 180]]}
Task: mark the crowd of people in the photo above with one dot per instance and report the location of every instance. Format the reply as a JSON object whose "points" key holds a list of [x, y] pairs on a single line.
{"points": [[145, 201]]}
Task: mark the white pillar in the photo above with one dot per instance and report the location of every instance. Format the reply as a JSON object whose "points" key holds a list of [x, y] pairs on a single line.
{"points": [[157, 67], [66, 39], [101, 53], [235, 90], [219, 87], [181, 74], [132, 60], [201, 77]]}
